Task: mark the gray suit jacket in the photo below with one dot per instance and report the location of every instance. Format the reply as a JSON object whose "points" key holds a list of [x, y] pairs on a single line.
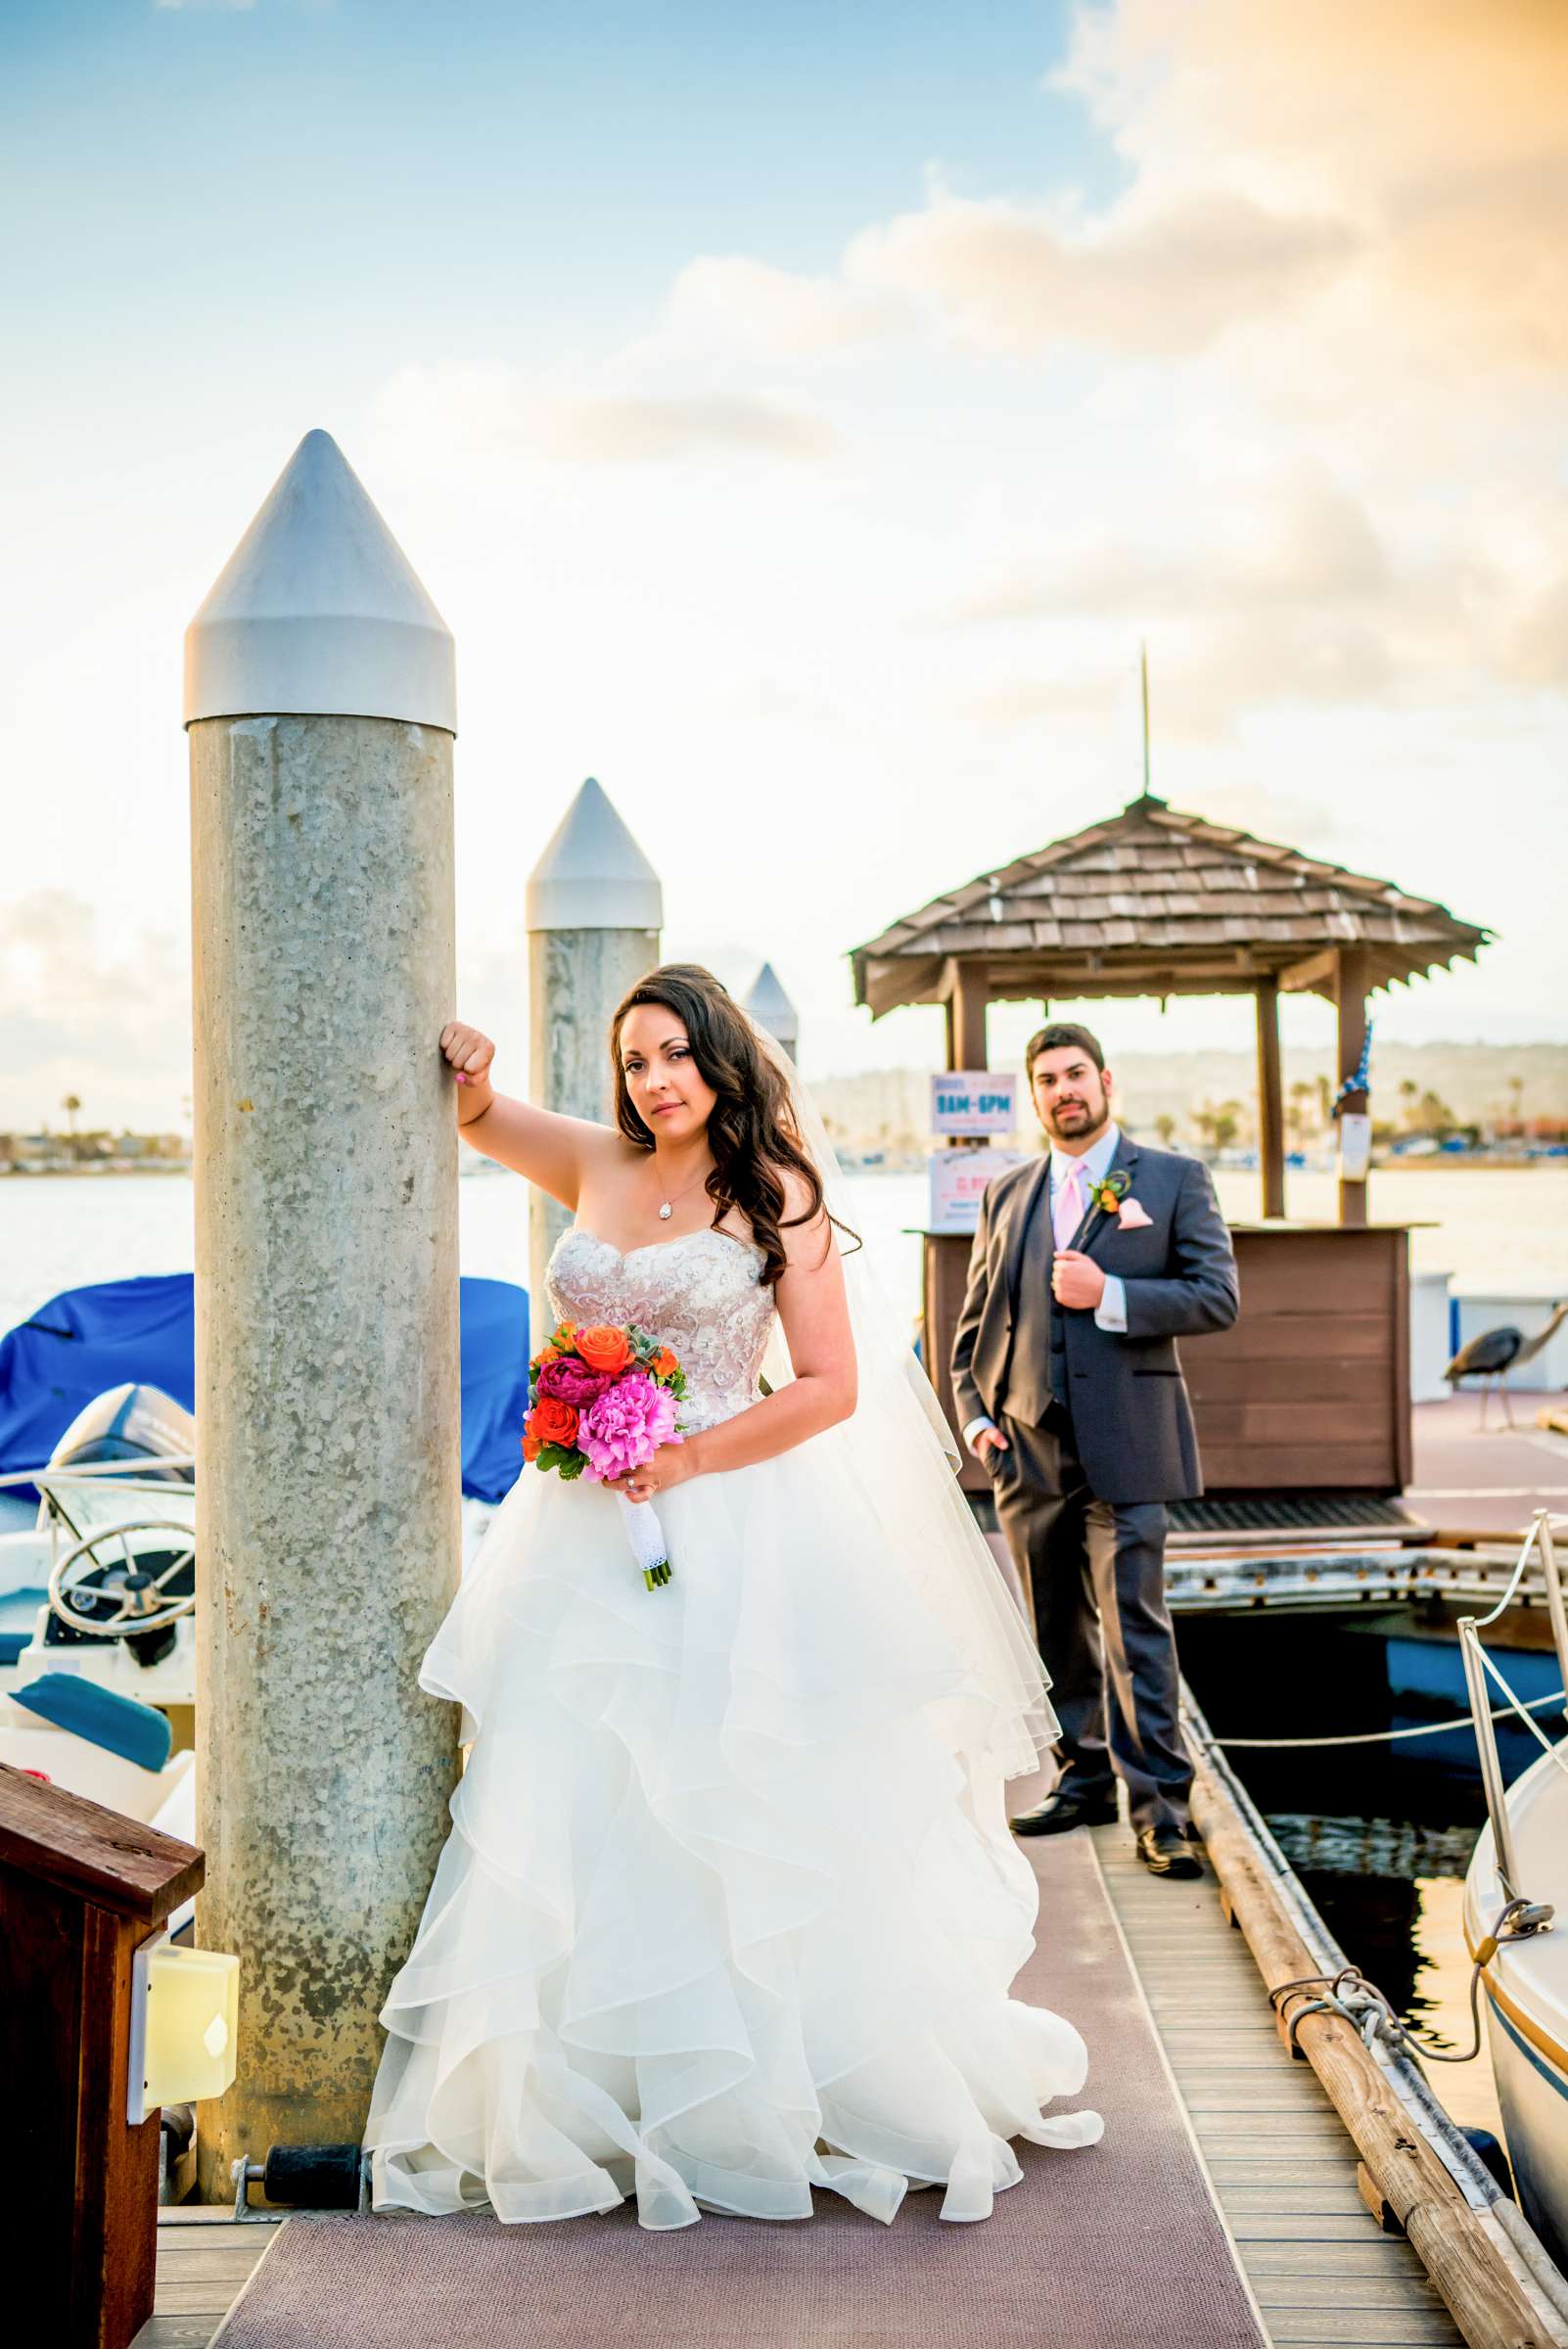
{"points": [[1131, 1417]]}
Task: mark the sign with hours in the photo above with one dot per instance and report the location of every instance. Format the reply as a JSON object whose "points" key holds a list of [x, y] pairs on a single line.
{"points": [[974, 1101]]}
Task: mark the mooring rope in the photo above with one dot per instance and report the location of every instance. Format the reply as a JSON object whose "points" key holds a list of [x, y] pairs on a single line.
{"points": [[1526, 1549], [1548, 1748], [1425, 1728], [1367, 2010]]}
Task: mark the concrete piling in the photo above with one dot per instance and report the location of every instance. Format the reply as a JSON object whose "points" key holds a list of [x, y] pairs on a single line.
{"points": [[771, 1007], [320, 708], [595, 912]]}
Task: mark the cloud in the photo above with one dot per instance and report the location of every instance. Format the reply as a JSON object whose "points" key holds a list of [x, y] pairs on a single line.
{"points": [[1007, 276], [772, 701], [1307, 543], [1011, 277], [1204, 676], [83, 1010], [731, 303], [1440, 127], [489, 413], [1535, 649]]}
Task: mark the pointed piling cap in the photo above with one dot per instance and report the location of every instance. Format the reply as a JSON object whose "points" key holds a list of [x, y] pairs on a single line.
{"points": [[592, 875], [318, 612], [771, 1007]]}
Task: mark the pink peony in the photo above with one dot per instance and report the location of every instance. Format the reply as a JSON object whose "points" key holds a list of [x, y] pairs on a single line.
{"points": [[572, 1382], [624, 1427]]}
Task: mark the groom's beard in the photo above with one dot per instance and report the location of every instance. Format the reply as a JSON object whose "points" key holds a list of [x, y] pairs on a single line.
{"points": [[1077, 1122]]}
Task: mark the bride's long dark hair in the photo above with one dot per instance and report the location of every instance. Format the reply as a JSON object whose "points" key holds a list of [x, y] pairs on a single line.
{"points": [[750, 1127]]}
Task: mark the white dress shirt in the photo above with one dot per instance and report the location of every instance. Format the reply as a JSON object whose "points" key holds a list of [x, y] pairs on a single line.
{"points": [[1111, 1312]]}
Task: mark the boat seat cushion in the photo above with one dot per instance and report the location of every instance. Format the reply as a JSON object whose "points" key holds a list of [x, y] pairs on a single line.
{"points": [[121, 1725]]}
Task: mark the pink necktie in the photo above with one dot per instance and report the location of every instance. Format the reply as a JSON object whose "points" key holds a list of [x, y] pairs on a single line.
{"points": [[1067, 1212]]}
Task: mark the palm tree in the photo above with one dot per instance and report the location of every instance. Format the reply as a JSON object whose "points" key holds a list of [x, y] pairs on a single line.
{"points": [[1164, 1127], [1296, 1110], [1434, 1116], [1409, 1094], [70, 1104]]}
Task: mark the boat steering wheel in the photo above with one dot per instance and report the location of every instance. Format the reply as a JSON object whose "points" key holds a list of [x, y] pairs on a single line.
{"points": [[143, 1602]]}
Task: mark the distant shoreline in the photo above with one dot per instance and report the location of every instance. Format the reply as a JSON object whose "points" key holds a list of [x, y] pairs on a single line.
{"points": [[100, 1173], [1435, 1163]]}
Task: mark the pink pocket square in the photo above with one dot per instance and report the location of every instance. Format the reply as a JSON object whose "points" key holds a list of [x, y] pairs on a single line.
{"points": [[1133, 1218]]}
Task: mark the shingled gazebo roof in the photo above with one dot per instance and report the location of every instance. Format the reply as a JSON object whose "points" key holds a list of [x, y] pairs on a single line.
{"points": [[1154, 902]]}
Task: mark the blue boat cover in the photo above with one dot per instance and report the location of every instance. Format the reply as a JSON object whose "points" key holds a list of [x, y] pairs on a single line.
{"points": [[86, 1340]]}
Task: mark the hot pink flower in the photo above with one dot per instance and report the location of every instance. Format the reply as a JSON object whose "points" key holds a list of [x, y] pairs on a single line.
{"points": [[626, 1426], [572, 1382]]}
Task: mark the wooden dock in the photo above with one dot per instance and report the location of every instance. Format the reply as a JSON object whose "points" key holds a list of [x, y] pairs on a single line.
{"points": [[1282, 2168]]}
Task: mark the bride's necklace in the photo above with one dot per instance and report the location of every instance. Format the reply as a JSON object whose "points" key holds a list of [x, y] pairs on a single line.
{"points": [[667, 1207]]}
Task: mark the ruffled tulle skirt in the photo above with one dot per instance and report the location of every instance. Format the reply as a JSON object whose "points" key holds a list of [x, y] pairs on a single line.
{"points": [[729, 1908]]}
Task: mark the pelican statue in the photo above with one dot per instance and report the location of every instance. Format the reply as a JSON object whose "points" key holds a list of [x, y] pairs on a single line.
{"points": [[1497, 1351]]}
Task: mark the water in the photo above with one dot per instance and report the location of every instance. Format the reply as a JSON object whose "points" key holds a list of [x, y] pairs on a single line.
{"points": [[1492, 1227], [1380, 1835]]}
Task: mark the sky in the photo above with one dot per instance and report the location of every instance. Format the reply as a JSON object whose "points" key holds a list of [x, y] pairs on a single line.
{"points": [[801, 418]]}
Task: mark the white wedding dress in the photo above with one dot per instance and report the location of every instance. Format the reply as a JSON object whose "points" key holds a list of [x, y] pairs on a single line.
{"points": [[729, 1908]]}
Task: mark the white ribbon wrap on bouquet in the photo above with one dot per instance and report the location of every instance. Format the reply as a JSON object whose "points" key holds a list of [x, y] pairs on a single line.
{"points": [[644, 1531]]}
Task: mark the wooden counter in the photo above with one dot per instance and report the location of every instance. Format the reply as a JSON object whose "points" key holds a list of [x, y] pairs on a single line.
{"points": [[1310, 1391]]}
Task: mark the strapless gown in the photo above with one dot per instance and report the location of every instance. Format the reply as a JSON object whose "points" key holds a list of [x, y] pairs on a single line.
{"points": [[721, 1917]]}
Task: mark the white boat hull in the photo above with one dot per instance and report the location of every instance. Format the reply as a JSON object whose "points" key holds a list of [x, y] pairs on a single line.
{"points": [[1533, 2094], [1526, 1986]]}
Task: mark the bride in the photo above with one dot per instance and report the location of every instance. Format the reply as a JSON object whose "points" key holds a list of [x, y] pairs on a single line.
{"points": [[729, 1908]]}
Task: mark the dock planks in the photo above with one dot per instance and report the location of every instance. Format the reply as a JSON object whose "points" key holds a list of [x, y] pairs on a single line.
{"points": [[1283, 2167]]}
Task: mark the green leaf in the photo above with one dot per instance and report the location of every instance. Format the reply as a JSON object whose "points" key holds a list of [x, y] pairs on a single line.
{"points": [[572, 1467]]}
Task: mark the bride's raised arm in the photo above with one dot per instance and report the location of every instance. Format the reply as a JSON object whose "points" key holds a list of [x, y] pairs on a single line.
{"points": [[551, 1151]]}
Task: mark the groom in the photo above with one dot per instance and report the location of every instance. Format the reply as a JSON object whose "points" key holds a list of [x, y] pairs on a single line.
{"points": [[1087, 1265]]}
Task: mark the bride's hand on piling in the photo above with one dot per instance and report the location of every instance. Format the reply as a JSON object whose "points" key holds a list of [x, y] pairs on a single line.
{"points": [[671, 1464], [469, 1055]]}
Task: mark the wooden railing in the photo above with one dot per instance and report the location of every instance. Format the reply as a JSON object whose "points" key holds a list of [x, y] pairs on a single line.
{"points": [[81, 1888]]}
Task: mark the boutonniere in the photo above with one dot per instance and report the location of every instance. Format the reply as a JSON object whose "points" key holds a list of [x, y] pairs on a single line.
{"points": [[1110, 1191]]}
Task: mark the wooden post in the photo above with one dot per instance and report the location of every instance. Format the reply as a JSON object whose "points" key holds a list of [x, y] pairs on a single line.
{"points": [[80, 1889], [1350, 975], [1271, 1098], [967, 998]]}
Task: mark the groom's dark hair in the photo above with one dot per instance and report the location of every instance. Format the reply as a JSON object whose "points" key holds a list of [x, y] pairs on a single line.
{"points": [[1054, 1037]]}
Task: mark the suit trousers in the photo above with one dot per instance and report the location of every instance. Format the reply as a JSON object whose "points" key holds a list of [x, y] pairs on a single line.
{"points": [[1096, 1572]]}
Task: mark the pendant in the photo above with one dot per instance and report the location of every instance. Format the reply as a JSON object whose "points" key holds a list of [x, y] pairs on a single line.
{"points": [[666, 1211]]}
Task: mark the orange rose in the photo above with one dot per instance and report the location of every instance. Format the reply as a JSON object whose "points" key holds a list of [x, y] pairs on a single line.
{"points": [[604, 1348], [532, 1448], [553, 1421], [664, 1363]]}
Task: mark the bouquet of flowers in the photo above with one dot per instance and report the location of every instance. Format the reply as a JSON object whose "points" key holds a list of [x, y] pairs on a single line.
{"points": [[601, 1401]]}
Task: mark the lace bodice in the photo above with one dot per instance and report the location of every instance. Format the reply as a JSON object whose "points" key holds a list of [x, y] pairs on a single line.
{"points": [[699, 1294]]}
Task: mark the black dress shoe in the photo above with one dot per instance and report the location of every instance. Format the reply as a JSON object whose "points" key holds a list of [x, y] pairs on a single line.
{"points": [[1168, 1851], [1063, 1810]]}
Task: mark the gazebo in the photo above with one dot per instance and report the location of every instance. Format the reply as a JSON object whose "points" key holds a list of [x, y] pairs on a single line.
{"points": [[1156, 902]]}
